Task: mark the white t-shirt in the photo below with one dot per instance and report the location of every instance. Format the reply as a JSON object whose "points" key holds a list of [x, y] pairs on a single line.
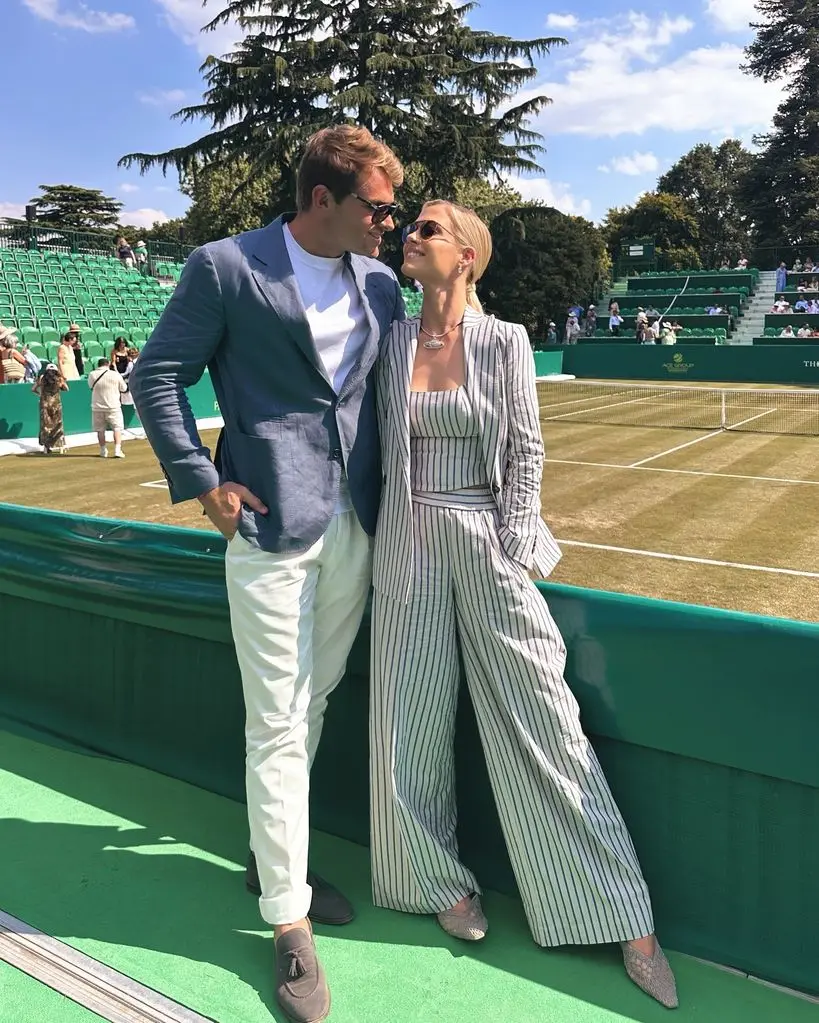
{"points": [[107, 386], [336, 316]]}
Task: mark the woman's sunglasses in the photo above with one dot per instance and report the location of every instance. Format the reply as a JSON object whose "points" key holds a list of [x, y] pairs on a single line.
{"points": [[380, 210], [426, 229]]}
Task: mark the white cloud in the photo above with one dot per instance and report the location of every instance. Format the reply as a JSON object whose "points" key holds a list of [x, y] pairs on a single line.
{"points": [[126, 187], [144, 217], [637, 163], [186, 17], [17, 210], [733, 15], [161, 97], [623, 80], [553, 193], [163, 188], [562, 21], [83, 18]]}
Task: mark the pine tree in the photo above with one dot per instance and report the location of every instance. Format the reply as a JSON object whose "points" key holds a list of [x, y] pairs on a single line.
{"points": [[438, 92], [782, 191], [73, 208]]}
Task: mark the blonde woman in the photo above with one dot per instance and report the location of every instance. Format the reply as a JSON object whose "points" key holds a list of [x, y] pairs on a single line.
{"points": [[459, 532]]}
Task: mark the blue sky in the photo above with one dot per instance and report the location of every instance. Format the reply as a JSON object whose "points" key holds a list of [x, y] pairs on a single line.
{"points": [[637, 86]]}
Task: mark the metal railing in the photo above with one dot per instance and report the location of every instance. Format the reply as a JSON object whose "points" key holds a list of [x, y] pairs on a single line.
{"points": [[39, 238]]}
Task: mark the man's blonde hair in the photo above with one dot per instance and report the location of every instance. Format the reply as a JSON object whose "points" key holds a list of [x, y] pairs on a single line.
{"points": [[471, 232], [336, 157]]}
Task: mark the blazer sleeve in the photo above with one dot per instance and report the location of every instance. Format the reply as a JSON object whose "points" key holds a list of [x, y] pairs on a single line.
{"points": [[175, 356], [520, 495]]}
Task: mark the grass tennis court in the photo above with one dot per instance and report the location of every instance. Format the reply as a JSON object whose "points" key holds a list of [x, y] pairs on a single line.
{"points": [[699, 515]]}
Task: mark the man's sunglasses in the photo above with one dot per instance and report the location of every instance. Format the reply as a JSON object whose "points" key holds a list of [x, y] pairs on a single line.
{"points": [[381, 210], [426, 229]]}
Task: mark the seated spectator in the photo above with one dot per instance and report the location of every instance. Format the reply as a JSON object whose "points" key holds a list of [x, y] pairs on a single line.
{"points": [[797, 266], [813, 307], [804, 331], [125, 254], [780, 306], [742, 264], [652, 311], [716, 310], [809, 266], [676, 326], [141, 254], [801, 305], [12, 363], [787, 332], [804, 286], [724, 265]]}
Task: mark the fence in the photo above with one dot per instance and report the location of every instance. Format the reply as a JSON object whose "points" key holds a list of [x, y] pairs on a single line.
{"points": [[704, 721], [23, 235]]}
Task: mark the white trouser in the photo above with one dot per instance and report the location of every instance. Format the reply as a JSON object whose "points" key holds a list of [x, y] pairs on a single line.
{"points": [[294, 618]]}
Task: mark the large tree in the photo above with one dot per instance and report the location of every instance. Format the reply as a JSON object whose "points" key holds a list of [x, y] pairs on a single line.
{"points": [[783, 188], [220, 206], [440, 93], [73, 208], [543, 261], [711, 181], [665, 218]]}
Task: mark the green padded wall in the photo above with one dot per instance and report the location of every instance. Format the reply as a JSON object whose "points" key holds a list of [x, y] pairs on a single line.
{"points": [[703, 719]]}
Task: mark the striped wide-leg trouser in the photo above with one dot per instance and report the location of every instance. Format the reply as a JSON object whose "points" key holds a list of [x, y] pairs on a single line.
{"points": [[573, 859]]}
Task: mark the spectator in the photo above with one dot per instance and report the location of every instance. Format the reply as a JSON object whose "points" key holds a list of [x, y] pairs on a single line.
{"points": [[725, 265], [125, 254], [797, 266], [655, 330], [781, 277], [572, 331], [801, 305], [804, 286], [615, 320], [133, 355], [652, 310], [107, 388], [66, 360], [12, 363], [33, 364], [813, 308], [119, 356], [787, 332], [141, 254], [591, 321], [551, 333], [809, 266], [78, 359], [780, 305], [742, 264], [48, 385], [667, 335], [804, 331]]}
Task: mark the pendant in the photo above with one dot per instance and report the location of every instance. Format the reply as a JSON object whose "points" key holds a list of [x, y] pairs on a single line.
{"points": [[433, 344]]}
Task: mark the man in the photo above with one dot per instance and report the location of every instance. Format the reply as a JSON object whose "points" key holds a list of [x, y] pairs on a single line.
{"points": [[287, 319], [107, 388]]}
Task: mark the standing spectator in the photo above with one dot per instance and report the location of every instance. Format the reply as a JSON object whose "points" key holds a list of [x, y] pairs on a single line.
{"points": [[48, 385], [78, 359], [742, 264], [572, 331], [551, 333], [107, 388], [33, 364], [141, 255], [615, 320], [781, 277], [125, 254], [119, 356], [591, 321], [127, 397], [667, 335], [12, 363], [66, 361]]}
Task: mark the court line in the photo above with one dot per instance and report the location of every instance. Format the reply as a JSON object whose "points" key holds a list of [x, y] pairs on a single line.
{"points": [[685, 472], [679, 447], [159, 484], [691, 560], [593, 408]]}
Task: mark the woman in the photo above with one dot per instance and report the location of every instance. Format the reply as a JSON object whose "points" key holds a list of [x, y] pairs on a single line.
{"points": [[48, 386], [119, 356], [458, 532], [66, 358]]}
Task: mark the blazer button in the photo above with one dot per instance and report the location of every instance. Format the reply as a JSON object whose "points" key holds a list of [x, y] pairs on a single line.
{"points": [[336, 454], [495, 488]]}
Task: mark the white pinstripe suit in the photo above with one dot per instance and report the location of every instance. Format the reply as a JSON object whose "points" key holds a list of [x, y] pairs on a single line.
{"points": [[450, 574]]}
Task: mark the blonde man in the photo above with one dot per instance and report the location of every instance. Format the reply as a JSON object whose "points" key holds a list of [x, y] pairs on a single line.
{"points": [[288, 320]]}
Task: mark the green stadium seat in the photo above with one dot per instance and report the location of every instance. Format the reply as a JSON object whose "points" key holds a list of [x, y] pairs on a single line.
{"points": [[49, 335], [94, 350], [105, 337]]}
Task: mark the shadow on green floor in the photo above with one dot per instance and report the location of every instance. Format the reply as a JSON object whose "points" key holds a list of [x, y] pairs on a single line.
{"points": [[171, 881]]}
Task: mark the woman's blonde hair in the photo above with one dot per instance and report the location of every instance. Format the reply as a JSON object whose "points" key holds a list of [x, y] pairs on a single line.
{"points": [[471, 232]]}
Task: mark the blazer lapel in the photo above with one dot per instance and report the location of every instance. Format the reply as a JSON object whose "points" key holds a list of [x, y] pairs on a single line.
{"points": [[369, 351], [273, 273], [400, 357], [483, 383]]}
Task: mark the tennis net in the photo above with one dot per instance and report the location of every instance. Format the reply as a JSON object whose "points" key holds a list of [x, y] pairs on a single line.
{"points": [[697, 408]]}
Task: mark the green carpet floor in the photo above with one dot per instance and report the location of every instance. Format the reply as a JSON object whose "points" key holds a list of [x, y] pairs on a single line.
{"points": [[145, 874], [25, 1000]]}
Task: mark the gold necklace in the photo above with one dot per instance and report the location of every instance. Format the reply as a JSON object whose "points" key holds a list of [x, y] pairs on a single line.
{"points": [[435, 339]]}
